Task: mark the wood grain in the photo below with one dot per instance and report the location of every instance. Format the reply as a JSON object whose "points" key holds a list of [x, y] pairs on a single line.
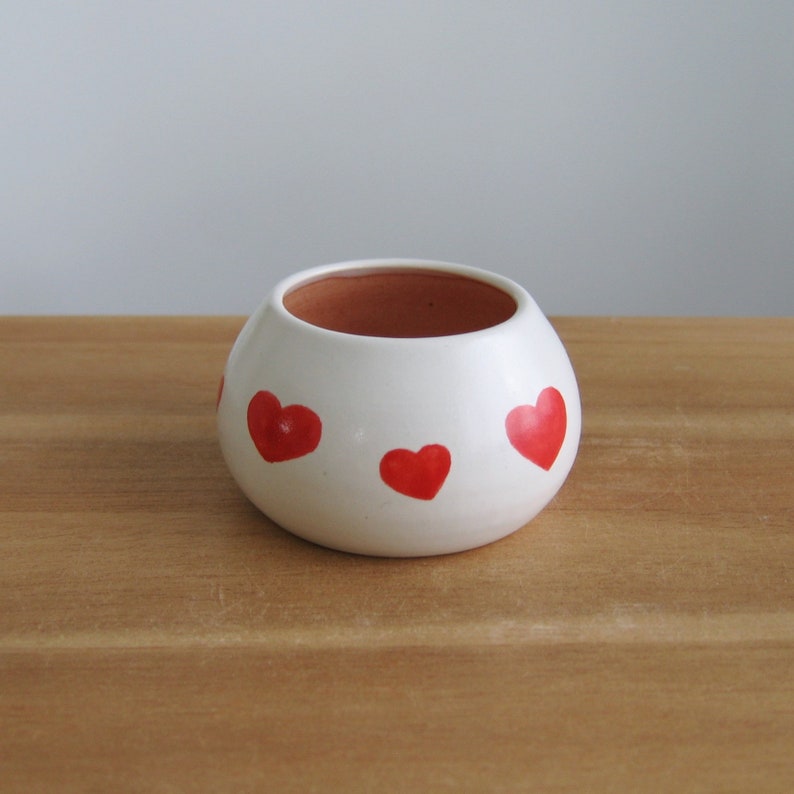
{"points": [[158, 634]]}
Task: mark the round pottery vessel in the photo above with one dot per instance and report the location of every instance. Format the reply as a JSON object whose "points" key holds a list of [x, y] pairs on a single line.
{"points": [[399, 407]]}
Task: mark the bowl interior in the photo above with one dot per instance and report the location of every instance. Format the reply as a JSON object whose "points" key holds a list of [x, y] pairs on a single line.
{"points": [[399, 303]]}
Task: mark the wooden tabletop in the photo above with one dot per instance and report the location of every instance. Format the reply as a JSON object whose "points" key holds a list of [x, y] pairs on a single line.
{"points": [[158, 634]]}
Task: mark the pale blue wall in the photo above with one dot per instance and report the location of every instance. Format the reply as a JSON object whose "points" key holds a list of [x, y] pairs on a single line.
{"points": [[180, 156]]}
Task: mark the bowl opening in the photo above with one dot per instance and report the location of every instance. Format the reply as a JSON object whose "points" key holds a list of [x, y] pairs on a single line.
{"points": [[399, 303]]}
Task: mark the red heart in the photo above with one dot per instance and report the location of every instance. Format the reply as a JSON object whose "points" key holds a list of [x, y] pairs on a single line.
{"points": [[282, 433], [220, 393], [537, 431], [417, 474]]}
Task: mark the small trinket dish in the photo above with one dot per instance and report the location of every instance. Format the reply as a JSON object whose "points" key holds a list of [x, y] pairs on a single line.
{"points": [[399, 407]]}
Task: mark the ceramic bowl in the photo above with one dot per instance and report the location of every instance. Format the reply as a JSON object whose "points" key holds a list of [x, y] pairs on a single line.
{"points": [[399, 407]]}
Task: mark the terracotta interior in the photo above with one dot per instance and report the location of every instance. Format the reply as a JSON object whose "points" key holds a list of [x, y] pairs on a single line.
{"points": [[400, 303]]}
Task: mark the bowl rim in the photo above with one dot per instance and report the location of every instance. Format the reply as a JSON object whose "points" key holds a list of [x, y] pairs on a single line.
{"points": [[523, 300]]}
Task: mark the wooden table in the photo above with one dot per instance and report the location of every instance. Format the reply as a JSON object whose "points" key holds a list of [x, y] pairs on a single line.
{"points": [[158, 634]]}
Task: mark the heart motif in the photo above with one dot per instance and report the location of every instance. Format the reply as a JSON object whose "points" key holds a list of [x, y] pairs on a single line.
{"points": [[537, 431], [281, 434], [220, 393], [419, 475]]}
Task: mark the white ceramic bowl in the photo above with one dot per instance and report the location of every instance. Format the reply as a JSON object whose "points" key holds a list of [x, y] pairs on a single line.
{"points": [[399, 407]]}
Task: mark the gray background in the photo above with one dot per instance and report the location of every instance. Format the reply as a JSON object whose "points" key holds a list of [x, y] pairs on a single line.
{"points": [[180, 157]]}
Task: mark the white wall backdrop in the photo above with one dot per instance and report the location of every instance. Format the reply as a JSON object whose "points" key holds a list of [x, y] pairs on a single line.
{"points": [[180, 156]]}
